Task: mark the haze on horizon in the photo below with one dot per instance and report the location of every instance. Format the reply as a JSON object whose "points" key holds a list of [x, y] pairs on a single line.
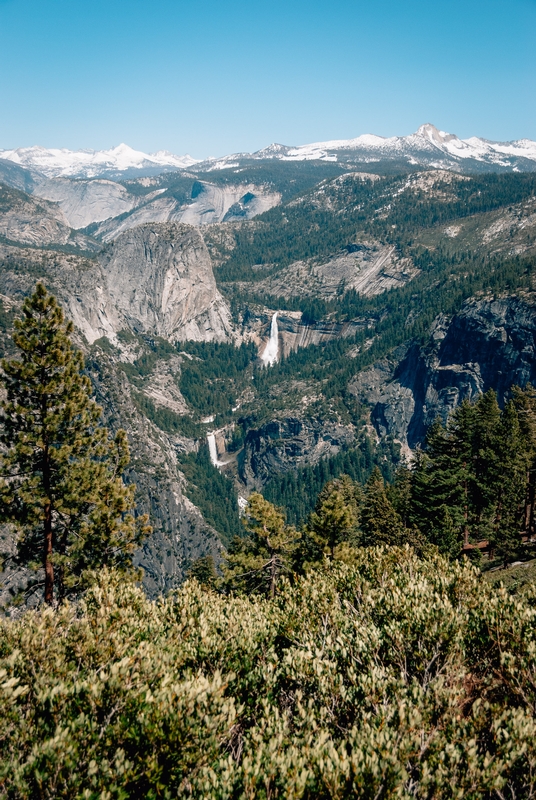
{"points": [[211, 78]]}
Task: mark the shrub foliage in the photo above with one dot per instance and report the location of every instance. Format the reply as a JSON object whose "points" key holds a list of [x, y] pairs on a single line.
{"points": [[391, 677]]}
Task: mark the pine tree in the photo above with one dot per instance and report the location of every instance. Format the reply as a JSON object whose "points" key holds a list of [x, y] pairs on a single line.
{"points": [[380, 523], [454, 467], [509, 485], [61, 484], [441, 482], [399, 493], [203, 570], [334, 519], [525, 404], [255, 562], [486, 464]]}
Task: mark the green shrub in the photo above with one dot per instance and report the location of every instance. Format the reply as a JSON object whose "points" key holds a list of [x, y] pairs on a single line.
{"points": [[391, 678]]}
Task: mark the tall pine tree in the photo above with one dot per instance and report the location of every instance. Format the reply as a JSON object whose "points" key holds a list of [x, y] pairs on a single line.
{"points": [[61, 484], [380, 523], [334, 519], [525, 403], [486, 466], [510, 485]]}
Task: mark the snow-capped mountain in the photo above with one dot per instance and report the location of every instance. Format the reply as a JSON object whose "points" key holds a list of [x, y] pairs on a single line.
{"points": [[95, 163], [428, 146]]}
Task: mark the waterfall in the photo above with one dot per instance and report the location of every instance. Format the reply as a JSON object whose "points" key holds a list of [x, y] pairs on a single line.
{"points": [[211, 439], [271, 351]]}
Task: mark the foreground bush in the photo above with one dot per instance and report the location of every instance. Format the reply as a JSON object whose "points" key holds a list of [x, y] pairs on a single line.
{"points": [[394, 677]]}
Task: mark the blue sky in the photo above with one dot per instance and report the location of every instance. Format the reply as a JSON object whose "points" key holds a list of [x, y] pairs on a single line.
{"points": [[214, 77]]}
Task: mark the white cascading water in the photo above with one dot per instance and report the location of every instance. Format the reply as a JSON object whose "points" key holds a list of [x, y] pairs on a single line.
{"points": [[271, 351], [212, 449]]}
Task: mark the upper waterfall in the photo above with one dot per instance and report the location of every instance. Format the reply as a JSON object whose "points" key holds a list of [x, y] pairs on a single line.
{"points": [[271, 351]]}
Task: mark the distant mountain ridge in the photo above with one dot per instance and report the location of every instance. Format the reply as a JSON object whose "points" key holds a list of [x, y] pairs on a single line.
{"points": [[55, 163], [427, 147]]}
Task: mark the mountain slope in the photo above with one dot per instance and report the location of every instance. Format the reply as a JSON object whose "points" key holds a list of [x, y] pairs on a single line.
{"points": [[36, 222], [489, 344], [117, 189], [207, 204], [134, 372]]}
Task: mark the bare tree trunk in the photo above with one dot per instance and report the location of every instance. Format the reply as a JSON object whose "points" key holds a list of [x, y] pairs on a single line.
{"points": [[49, 567], [465, 512], [273, 576], [48, 533], [532, 503]]}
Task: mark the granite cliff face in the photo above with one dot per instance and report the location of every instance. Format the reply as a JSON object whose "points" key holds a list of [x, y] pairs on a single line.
{"points": [[287, 443], [160, 280], [209, 204], [490, 343], [37, 223], [84, 202], [155, 280]]}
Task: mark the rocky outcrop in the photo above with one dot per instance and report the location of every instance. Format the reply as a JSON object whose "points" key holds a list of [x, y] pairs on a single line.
{"points": [[490, 343], [84, 202], [287, 443], [161, 386], [369, 268], [160, 280], [38, 223]]}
